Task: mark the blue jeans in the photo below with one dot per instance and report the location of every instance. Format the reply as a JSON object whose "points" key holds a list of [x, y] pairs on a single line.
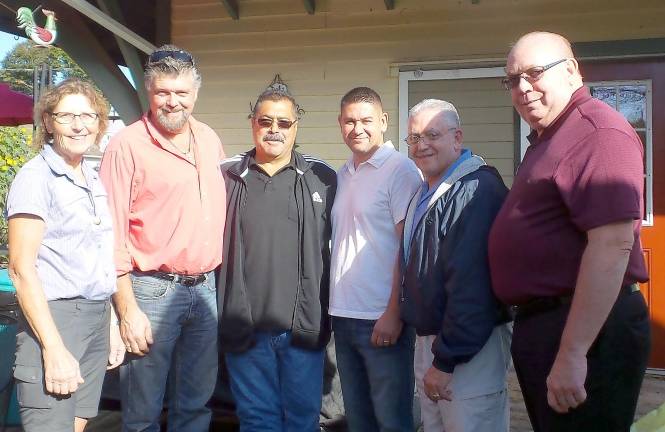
{"points": [[277, 387], [377, 382], [184, 330]]}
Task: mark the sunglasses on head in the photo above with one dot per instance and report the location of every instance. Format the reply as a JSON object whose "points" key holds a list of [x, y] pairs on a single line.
{"points": [[266, 122], [179, 55]]}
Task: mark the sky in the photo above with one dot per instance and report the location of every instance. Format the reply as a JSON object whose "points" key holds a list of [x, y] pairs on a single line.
{"points": [[7, 42]]}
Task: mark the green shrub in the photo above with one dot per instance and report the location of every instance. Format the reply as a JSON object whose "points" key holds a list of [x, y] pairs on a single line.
{"points": [[15, 150]]}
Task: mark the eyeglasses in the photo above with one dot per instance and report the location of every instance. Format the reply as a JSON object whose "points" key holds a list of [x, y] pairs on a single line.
{"points": [[267, 122], [66, 117], [531, 75], [412, 140], [180, 55]]}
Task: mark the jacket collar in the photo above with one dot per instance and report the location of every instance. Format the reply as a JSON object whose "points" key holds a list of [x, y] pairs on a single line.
{"points": [[467, 167], [241, 169]]}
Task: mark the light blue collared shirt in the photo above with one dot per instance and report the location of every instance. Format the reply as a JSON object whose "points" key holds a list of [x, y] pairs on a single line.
{"points": [[75, 258]]}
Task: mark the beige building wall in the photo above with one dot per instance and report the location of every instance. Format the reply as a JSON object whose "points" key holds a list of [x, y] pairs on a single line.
{"points": [[348, 43]]}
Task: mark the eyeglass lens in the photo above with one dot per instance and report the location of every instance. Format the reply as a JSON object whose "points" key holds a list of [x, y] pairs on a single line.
{"points": [[531, 75], [67, 118]]}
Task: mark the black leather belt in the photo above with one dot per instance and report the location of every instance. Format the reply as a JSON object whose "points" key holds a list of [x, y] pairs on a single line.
{"points": [[186, 280], [545, 304]]}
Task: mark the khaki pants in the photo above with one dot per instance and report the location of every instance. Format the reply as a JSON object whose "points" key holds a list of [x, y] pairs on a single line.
{"points": [[479, 403]]}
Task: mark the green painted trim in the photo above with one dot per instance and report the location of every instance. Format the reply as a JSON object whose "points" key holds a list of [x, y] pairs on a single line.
{"points": [[81, 44], [620, 48]]}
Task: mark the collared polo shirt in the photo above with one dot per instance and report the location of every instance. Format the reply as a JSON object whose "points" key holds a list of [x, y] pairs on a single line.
{"points": [[582, 172], [75, 258], [269, 227], [168, 213], [371, 199]]}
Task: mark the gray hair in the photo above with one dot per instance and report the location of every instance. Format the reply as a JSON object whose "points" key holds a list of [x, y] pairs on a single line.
{"points": [[171, 66], [447, 109]]}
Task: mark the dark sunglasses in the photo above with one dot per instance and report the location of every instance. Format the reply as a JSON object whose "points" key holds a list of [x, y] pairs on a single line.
{"points": [[182, 56], [267, 122], [531, 75]]}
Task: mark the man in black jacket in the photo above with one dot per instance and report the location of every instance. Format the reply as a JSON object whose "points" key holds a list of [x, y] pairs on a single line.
{"points": [[462, 349], [273, 285]]}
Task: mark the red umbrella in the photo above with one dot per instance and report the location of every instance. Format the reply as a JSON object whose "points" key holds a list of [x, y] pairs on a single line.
{"points": [[15, 107]]}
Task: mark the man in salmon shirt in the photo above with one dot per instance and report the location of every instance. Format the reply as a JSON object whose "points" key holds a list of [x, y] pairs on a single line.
{"points": [[167, 198], [565, 248]]}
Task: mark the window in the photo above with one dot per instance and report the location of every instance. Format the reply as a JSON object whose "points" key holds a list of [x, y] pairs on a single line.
{"points": [[633, 100]]}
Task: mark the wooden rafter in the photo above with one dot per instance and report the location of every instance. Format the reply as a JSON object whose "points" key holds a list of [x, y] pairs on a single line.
{"points": [[231, 7], [310, 6]]}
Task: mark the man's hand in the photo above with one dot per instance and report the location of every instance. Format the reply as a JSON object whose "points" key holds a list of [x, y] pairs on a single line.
{"points": [[565, 383], [436, 385], [118, 350], [135, 331], [61, 370], [387, 328]]}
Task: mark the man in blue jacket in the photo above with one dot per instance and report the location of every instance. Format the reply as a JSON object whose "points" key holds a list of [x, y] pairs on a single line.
{"points": [[462, 349]]}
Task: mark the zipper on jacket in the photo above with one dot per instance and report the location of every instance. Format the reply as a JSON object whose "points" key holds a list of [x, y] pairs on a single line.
{"points": [[297, 189]]}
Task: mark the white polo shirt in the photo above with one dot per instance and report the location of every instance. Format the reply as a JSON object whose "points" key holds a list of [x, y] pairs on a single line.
{"points": [[370, 201]]}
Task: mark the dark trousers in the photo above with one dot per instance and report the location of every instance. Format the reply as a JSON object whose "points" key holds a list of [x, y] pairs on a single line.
{"points": [[616, 363]]}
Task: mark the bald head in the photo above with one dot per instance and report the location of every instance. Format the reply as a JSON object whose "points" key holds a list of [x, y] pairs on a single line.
{"points": [[556, 45], [548, 76]]}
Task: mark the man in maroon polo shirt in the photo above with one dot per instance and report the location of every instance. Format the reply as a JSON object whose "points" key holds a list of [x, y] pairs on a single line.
{"points": [[565, 248]]}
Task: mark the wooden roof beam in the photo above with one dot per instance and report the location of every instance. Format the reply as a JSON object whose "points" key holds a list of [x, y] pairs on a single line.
{"points": [[390, 4], [110, 24], [310, 6], [231, 7]]}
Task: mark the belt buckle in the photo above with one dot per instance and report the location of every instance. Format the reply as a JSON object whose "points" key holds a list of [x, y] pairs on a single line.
{"points": [[188, 280], [634, 287]]}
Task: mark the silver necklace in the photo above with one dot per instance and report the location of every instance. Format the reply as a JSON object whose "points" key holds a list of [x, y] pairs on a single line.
{"points": [[189, 144], [96, 219]]}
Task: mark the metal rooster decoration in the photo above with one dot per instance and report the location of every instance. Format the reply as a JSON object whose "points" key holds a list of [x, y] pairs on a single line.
{"points": [[43, 36]]}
